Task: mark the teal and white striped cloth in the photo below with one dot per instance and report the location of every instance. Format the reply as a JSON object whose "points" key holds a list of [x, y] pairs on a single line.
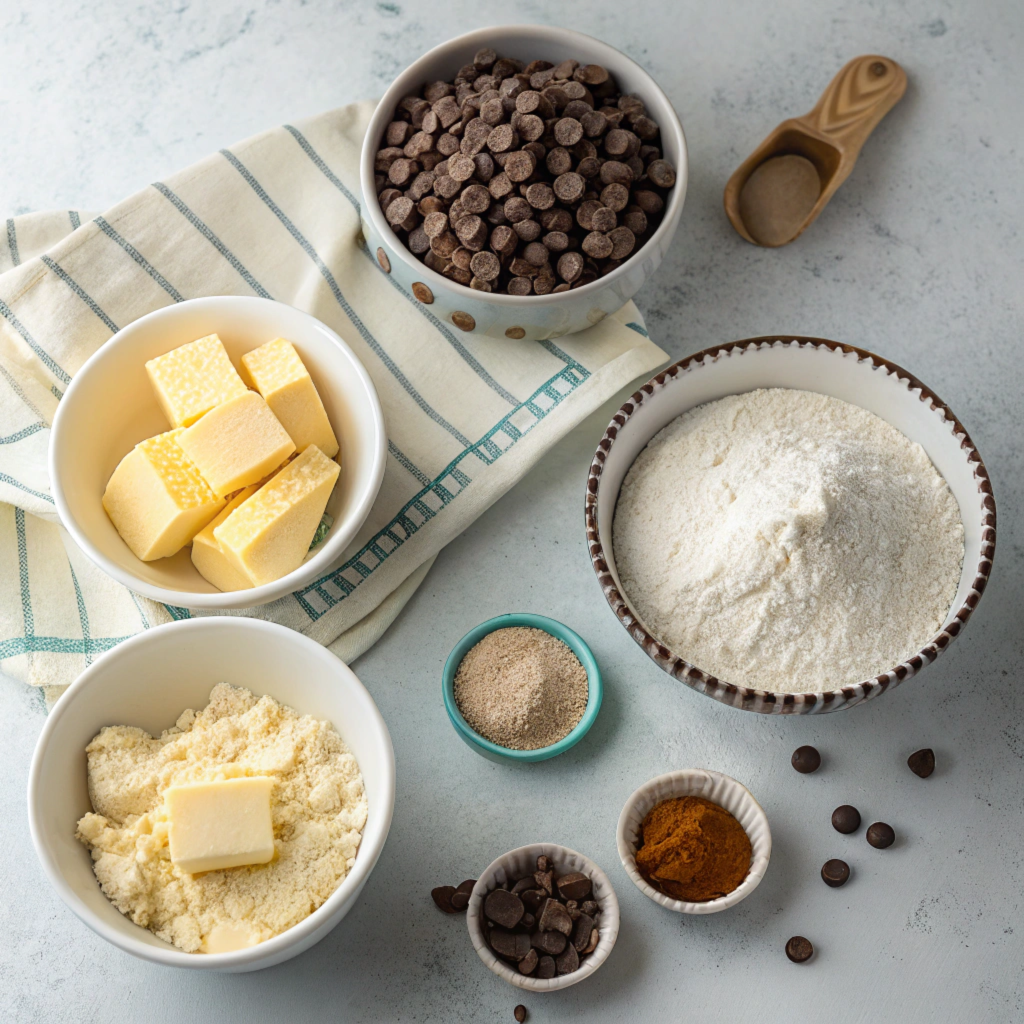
{"points": [[277, 216]]}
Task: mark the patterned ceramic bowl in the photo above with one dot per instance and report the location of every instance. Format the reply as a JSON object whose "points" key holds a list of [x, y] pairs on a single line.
{"points": [[518, 863], [717, 788], [810, 364], [535, 317]]}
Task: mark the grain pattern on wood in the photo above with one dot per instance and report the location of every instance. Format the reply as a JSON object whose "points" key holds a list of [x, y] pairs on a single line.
{"points": [[830, 137]]}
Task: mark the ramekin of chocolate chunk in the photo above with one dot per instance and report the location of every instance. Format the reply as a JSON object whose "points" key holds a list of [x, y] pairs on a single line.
{"points": [[522, 182], [543, 917]]}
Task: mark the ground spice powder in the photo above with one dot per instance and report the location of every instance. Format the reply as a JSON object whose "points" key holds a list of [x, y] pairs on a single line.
{"points": [[521, 688], [691, 849]]}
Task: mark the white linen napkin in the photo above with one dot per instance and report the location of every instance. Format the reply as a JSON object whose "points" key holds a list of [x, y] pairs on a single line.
{"points": [[277, 216]]}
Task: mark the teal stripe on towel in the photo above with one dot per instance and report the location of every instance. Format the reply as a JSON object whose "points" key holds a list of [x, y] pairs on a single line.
{"points": [[201, 227], [26, 590], [325, 272], [81, 293], [140, 259], [48, 361], [20, 435]]}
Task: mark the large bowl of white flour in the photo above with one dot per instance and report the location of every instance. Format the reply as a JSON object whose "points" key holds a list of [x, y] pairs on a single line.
{"points": [[789, 525]]}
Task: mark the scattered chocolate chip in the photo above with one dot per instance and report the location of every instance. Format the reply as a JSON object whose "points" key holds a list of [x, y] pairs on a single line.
{"points": [[880, 835], [835, 873], [519, 1013], [442, 896], [799, 949], [806, 760], [504, 908], [459, 900], [922, 762], [846, 819]]}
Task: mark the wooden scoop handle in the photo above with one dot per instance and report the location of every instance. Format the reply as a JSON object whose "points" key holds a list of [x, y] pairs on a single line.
{"points": [[863, 92]]}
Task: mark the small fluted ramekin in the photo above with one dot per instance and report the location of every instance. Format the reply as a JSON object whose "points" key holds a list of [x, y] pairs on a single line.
{"points": [[719, 789], [517, 863]]}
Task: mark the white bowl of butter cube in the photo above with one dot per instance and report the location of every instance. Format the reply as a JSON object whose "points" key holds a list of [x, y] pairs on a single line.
{"points": [[146, 683], [219, 453]]}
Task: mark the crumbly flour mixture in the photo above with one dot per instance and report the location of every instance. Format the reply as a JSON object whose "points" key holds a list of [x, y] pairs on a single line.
{"points": [[521, 688], [788, 541], [318, 808]]}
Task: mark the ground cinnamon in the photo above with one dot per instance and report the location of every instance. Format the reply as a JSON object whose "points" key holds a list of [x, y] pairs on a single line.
{"points": [[692, 849]]}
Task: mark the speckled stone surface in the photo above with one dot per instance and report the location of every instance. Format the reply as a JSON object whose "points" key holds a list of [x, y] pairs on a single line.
{"points": [[919, 257]]}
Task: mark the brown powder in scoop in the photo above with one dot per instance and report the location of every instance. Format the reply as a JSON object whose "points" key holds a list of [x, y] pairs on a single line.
{"points": [[521, 688]]}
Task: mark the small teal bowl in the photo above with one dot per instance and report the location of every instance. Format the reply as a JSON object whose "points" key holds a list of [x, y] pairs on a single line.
{"points": [[572, 640]]}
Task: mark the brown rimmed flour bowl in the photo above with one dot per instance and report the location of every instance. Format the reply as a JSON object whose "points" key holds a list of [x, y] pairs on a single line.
{"points": [[811, 364], [533, 317]]}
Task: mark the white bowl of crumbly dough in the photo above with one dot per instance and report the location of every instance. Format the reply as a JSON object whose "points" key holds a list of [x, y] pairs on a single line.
{"points": [[824, 368], [148, 681]]}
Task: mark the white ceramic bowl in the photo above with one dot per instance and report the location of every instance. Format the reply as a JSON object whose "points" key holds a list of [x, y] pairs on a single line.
{"points": [[148, 681], [111, 406], [810, 364], [517, 863], [719, 789], [540, 316]]}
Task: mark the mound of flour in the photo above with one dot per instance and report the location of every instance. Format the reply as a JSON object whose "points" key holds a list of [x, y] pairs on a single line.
{"points": [[787, 541]]}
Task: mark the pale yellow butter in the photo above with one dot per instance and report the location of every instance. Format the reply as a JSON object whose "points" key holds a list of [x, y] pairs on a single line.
{"points": [[157, 499], [213, 565], [229, 937], [236, 444], [221, 824], [268, 535], [279, 375], [191, 379]]}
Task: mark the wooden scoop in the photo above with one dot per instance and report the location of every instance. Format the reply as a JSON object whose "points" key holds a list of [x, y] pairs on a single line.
{"points": [[785, 183]]}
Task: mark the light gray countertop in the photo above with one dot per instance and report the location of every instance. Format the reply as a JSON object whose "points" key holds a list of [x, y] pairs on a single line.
{"points": [[918, 257]]}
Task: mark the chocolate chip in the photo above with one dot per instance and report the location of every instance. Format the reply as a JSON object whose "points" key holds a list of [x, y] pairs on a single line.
{"points": [[459, 900], [504, 908], [661, 173], [510, 945], [880, 835], [799, 949], [574, 886], [846, 819], [622, 240], [570, 266], [485, 265], [590, 907], [519, 1013], [529, 962], [591, 74], [835, 873], [568, 187], [568, 960], [533, 898], [806, 760], [585, 924], [442, 896], [554, 917], [551, 943], [597, 245], [520, 286], [529, 921], [595, 937], [922, 762]]}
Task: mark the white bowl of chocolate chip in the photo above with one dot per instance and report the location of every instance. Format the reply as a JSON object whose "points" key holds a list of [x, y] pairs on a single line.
{"points": [[612, 144], [543, 917]]}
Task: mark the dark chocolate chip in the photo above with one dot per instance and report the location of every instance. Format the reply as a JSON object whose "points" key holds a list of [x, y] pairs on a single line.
{"points": [[554, 917], [532, 898], [519, 1013], [806, 760], [835, 873], [442, 896], [459, 900], [880, 835], [922, 762], [504, 908], [511, 945], [546, 967], [846, 819], [551, 943], [529, 962], [799, 949], [467, 885], [581, 933], [568, 960]]}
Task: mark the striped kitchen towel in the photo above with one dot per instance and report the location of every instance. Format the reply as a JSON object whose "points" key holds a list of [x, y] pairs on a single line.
{"points": [[277, 216]]}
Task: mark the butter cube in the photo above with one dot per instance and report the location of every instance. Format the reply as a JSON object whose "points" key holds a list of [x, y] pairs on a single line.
{"points": [[193, 378], [278, 374], [237, 443], [213, 565], [268, 535], [229, 936], [220, 824], [157, 499]]}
